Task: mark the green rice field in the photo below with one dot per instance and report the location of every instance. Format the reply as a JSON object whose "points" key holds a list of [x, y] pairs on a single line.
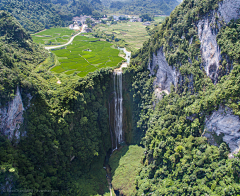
{"points": [[85, 55], [134, 33], [53, 36]]}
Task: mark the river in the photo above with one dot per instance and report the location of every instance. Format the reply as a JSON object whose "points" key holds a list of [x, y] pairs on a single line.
{"points": [[128, 54]]}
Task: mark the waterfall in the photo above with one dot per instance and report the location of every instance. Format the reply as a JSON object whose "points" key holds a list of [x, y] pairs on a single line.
{"points": [[118, 106]]}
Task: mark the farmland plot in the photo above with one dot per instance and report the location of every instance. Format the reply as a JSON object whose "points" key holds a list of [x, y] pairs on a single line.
{"points": [[85, 55], [53, 36]]}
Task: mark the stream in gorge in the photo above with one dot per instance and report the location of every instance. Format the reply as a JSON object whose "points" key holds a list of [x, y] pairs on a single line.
{"points": [[128, 54]]}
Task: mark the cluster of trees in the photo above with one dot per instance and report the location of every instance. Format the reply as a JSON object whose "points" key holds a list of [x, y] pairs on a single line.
{"points": [[108, 37], [177, 160], [66, 126], [38, 15], [146, 17], [143, 6], [16, 49], [33, 16]]}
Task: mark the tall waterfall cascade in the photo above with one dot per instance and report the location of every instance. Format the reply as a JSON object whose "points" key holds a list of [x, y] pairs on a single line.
{"points": [[118, 107], [116, 104]]}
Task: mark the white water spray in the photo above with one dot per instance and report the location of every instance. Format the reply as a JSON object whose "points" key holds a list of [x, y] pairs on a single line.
{"points": [[118, 101], [118, 107]]}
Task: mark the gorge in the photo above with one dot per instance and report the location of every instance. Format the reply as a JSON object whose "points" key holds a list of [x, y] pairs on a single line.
{"points": [[169, 118]]}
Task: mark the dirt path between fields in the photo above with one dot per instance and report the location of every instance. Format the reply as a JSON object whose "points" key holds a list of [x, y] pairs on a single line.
{"points": [[69, 42]]}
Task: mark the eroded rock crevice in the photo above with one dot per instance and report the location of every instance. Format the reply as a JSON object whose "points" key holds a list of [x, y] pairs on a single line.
{"points": [[165, 74], [224, 126], [208, 28], [11, 116]]}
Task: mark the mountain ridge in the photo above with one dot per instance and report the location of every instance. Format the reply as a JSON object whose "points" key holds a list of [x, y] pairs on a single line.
{"points": [[139, 6]]}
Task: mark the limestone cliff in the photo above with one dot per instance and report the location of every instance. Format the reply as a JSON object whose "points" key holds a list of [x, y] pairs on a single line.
{"points": [[11, 117], [165, 74], [208, 28], [223, 125]]}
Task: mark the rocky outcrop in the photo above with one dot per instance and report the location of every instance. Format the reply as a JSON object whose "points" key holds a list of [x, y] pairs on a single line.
{"points": [[208, 28], [165, 74], [11, 117], [223, 125], [8, 185]]}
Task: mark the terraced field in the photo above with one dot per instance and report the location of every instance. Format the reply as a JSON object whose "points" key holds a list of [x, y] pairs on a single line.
{"points": [[85, 55], [53, 36]]}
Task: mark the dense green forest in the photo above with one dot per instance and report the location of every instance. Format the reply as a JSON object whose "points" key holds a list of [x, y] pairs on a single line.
{"points": [[35, 16], [38, 15], [143, 6], [177, 159], [65, 133], [66, 124]]}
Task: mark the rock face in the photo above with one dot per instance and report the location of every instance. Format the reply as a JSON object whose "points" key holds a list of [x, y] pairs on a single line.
{"points": [[208, 28], [223, 125], [11, 117], [165, 74], [8, 185]]}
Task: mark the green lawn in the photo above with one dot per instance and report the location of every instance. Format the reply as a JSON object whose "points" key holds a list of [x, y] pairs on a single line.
{"points": [[85, 55], [53, 36]]}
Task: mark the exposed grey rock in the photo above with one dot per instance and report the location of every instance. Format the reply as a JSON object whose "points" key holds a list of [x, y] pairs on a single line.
{"points": [[29, 96], [11, 117], [8, 185], [159, 93], [229, 9], [165, 74], [192, 117], [225, 124], [208, 28]]}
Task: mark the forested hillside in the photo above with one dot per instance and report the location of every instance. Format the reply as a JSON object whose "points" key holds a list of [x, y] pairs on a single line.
{"points": [[19, 55], [35, 16], [142, 6], [63, 140], [187, 71], [178, 160], [38, 15]]}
